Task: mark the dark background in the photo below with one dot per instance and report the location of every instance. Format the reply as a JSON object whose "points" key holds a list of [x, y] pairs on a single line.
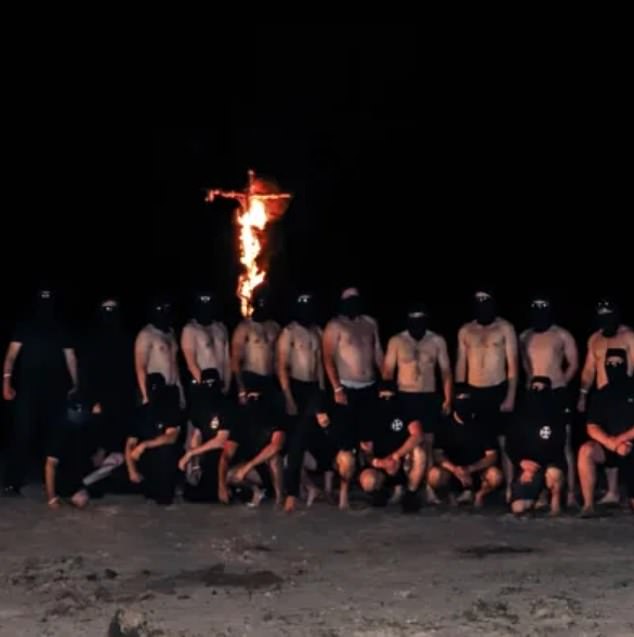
{"points": [[418, 173]]}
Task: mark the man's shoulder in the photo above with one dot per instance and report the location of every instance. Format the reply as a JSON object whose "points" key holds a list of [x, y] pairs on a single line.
{"points": [[504, 324], [366, 318]]}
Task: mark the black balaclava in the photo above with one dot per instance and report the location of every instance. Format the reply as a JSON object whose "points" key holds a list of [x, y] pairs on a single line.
{"points": [[607, 317], [463, 402], [261, 306], [541, 314], [45, 304], [109, 314], [206, 308], [350, 304], [417, 321], [161, 315], [305, 313], [616, 367], [484, 307], [539, 398]]}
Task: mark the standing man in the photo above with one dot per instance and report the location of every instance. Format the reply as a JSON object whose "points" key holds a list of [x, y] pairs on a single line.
{"points": [[488, 362], [46, 371], [155, 350], [205, 340], [611, 334], [550, 351], [352, 357], [253, 346], [413, 356], [299, 357]]}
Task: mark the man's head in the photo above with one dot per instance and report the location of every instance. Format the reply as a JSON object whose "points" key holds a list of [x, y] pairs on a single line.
{"points": [[484, 307], [608, 318], [206, 307], [261, 304], [109, 312], [350, 304], [305, 310], [616, 366], [417, 320], [463, 402], [541, 313], [161, 314]]}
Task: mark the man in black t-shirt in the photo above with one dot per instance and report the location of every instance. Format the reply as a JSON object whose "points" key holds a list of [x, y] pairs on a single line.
{"points": [[40, 368], [465, 453], [256, 439], [151, 448], [393, 449], [536, 444], [212, 418], [321, 441], [610, 427]]}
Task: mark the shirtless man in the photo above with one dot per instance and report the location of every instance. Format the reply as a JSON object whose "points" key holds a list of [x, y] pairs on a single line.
{"points": [[414, 355], [205, 341], [253, 345], [155, 350], [488, 362], [299, 362], [611, 334], [352, 355], [550, 351]]}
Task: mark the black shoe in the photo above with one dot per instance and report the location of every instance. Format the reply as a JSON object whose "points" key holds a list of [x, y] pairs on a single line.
{"points": [[11, 492]]}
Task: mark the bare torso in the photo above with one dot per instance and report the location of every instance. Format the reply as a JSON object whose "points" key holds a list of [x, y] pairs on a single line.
{"points": [[355, 348], [259, 346], [210, 345], [416, 361], [161, 350], [304, 351], [485, 347], [544, 354], [599, 344]]}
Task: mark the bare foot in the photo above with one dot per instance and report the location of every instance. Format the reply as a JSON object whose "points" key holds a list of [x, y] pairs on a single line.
{"points": [[571, 501], [430, 496], [610, 498], [344, 503], [478, 502], [80, 499], [397, 496], [466, 497], [256, 500], [555, 508], [312, 495]]}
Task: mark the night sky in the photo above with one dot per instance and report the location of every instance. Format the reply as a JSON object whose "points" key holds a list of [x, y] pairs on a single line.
{"points": [[416, 174]]}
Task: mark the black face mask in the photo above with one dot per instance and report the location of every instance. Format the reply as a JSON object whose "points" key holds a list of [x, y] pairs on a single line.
{"points": [[609, 324], [45, 305], [261, 311], [351, 307], [205, 313], [161, 317], [485, 311], [305, 311], [417, 327], [109, 316], [541, 317], [616, 367]]}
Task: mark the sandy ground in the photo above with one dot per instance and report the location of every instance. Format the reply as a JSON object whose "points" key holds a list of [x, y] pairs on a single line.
{"points": [[204, 570]]}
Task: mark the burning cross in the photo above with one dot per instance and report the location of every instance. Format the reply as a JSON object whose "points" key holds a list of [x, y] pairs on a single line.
{"points": [[252, 217]]}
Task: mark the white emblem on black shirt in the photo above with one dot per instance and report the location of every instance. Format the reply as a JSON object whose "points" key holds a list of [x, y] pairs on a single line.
{"points": [[545, 432], [397, 425], [215, 422]]}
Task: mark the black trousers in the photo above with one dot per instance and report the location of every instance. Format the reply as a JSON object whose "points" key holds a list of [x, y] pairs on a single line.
{"points": [[159, 468], [36, 412], [207, 489]]}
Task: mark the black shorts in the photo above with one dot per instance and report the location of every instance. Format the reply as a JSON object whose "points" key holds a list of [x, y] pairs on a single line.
{"points": [[531, 490], [455, 486], [422, 406], [486, 404], [564, 403], [303, 393], [614, 461], [325, 456], [397, 480], [358, 415]]}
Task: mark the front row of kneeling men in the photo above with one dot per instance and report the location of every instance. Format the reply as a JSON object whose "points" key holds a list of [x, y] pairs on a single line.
{"points": [[254, 448]]}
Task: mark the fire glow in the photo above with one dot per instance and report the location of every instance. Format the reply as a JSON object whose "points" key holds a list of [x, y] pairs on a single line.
{"points": [[259, 205]]}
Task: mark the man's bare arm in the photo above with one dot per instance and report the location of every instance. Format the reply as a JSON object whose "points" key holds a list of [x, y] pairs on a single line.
{"points": [[238, 344], [490, 458], [273, 448], [444, 365], [284, 344], [512, 362], [50, 471], [320, 362], [9, 362], [378, 349], [226, 362], [71, 364], [141, 357], [461, 358], [217, 442], [389, 364], [526, 362], [589, 371], [168, 438], [130, 444], [189, 352], [596, 433], [571, 354], [626, 436], [332, 334]]}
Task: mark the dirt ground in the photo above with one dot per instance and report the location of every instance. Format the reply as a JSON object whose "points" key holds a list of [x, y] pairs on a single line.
{"points": [[193, 571]]}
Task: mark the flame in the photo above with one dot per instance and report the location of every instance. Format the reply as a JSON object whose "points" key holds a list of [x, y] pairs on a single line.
{"points": [[252, 223]]}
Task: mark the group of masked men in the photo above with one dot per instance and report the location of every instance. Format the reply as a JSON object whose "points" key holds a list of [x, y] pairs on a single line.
{"points": [[296, 413]]}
